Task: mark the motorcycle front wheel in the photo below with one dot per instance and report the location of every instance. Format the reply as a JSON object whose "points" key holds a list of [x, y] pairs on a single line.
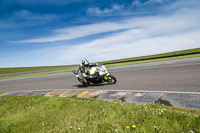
{"points": [[111, 79]]}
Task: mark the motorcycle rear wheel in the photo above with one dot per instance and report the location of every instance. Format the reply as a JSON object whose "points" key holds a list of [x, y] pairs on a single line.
{"points": [[83, 82], [111, 79]]}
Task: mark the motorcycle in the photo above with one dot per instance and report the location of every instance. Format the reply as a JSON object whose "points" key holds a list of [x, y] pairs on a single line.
{"points": [[100, 73]]}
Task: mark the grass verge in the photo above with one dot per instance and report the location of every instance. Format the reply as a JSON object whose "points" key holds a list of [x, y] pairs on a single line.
{"points": [[54, 114], [36, 74], [154, 60], [176, 53], [29, 69]]}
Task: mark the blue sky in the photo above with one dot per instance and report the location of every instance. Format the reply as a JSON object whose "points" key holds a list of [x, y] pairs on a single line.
{"points": [[63, 32]]}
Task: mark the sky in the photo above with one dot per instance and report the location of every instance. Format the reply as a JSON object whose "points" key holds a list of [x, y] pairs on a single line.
{"points": [[63, 32]]}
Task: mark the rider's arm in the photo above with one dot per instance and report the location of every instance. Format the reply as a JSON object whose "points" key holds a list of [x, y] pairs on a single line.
{"points": [[93, 65], [85, 76], [83, 72]]}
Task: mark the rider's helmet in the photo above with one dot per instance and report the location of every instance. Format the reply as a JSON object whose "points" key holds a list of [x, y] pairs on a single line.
{"points": [[85, 63]]}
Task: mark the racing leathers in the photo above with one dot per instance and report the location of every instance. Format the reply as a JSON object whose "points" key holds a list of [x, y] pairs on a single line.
{"points": [[85, 71]]}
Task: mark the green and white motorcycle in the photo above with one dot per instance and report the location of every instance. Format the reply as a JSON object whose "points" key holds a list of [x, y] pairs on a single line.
{"points": [[100, 73]]}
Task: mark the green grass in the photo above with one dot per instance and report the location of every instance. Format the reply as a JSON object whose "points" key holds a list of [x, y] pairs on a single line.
{"points": [[157, 55], [28, 69], [73, 115], [39, 73], [154, 60]]}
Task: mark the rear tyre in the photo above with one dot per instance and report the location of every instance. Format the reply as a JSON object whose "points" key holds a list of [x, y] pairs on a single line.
{"points": [[85, 83], [111, 79]]}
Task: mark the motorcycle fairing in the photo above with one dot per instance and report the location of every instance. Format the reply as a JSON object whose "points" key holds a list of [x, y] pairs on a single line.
{"points": [[75, 72], [92, 70]]}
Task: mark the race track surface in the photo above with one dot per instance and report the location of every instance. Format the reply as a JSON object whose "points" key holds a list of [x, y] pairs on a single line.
{"points": [[180, 76]]}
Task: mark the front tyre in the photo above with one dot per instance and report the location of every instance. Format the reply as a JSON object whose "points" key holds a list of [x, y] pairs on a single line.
{"points": [[111, 79]]}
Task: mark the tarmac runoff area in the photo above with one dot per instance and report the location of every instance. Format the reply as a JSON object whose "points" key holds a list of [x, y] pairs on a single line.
{"points": [[189, 100]]}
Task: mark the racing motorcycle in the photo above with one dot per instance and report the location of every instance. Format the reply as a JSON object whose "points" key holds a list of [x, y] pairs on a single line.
{"points": [[100, 73]]}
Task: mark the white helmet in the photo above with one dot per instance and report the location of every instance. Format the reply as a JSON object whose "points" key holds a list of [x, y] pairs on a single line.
{"points": [[85, 63]]}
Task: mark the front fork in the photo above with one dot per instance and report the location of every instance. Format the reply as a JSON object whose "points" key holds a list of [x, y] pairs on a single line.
{"points": [[106, 77]]}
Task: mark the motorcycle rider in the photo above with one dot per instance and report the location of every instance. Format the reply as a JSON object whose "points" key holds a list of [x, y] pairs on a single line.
{"points": [[88, 74], [84, 69]]}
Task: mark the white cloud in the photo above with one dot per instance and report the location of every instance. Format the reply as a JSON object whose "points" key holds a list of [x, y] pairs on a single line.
{"points": [[157, 34], [106, 11], [94, 10], [136, 3], [81, 31], [27, 15], [126, 45], [97, 28], [155, 1], [143, 36], [182, 4]]}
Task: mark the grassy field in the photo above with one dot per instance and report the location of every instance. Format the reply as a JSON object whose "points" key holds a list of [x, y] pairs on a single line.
{"points": [[157, 55], [85, 115], [154, 60], [36, 74], [28, 69]]}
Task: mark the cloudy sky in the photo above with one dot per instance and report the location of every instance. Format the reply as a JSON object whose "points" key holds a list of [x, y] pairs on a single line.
{"points": [[63, 32]]}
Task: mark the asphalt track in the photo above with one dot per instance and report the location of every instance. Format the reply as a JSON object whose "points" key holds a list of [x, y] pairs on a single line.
{"points": [[173, 76]]}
